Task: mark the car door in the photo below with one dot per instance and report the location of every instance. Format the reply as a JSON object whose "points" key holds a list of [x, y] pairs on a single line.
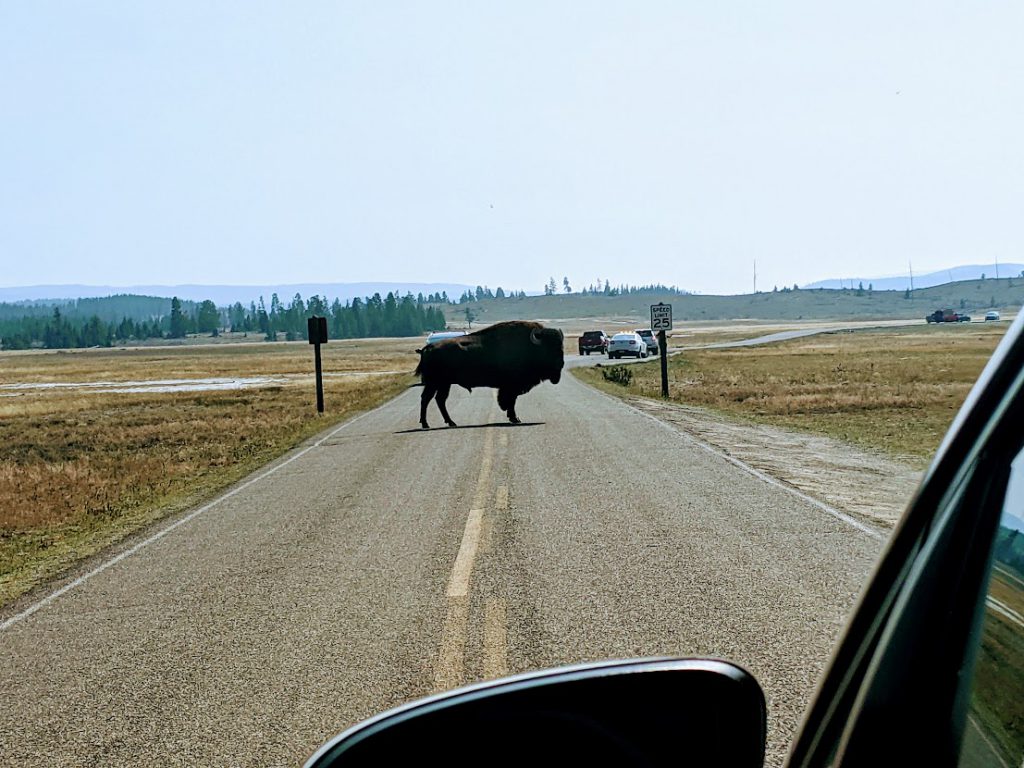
{"points": [[931, 668]]}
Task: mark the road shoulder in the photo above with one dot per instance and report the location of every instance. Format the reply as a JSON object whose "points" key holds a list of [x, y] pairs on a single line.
{"points": [[871, 487]]}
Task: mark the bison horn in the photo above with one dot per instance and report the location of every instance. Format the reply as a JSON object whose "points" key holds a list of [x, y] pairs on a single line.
{"points": [[535, 336], [561, 335]]}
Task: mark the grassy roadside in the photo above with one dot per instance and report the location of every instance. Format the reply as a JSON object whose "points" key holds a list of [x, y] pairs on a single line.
{"points": [[893, 390], [81, 469]]}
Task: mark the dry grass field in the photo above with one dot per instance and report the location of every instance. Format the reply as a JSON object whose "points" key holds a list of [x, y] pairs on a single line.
{"points": [[894, 390], [117, 445]]}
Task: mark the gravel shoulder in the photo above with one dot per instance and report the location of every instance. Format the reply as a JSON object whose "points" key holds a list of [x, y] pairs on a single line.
{"points": [[872, 487]]}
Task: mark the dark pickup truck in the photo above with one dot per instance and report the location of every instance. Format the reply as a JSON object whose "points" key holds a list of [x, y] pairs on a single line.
{"points": [[593, 341], [947, 316]]}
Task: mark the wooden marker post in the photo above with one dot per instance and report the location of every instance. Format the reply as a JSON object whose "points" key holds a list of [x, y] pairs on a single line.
{"points": [[661, 321], [317, 332]]}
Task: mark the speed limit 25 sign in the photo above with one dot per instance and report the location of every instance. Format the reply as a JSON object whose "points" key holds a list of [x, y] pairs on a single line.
{"points": [[661, 317]]}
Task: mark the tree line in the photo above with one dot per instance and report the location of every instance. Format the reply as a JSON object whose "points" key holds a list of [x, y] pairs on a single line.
{"points": [[607, 289], [372, 317], [599, 288], [64, 325]]}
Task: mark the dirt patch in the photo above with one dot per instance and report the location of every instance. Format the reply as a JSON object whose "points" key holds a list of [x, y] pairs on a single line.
{"points": [[873, 487]]}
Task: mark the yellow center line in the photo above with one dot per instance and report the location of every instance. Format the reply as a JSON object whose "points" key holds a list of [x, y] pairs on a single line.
{"points": [[450, 669], [487, 532], [495, 638], [451, 659], [458, 584]]}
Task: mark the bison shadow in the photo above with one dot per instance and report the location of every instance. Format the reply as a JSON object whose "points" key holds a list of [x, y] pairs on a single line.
{"points": [[470, 426]]}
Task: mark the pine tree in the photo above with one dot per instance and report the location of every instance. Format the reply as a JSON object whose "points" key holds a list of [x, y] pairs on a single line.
{"points": [[178, 323], [207, 317]]}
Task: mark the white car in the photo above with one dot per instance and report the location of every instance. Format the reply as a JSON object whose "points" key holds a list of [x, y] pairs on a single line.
{"points": [[993, 315], [652, 341], [439, 335], [627, 343]]}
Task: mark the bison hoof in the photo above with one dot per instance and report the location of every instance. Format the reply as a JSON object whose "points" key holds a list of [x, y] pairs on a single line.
{"points": [[424, 425], [514, 419], [452, 424]]}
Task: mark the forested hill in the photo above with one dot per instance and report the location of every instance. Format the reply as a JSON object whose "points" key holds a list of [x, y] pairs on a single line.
{"points": [[125, 319], [108, 309]]}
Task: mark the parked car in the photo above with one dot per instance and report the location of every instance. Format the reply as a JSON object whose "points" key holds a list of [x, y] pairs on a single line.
{"points": [[991, 315], [594, 341], [929, 672], [439, 335], [650, 339], [627, 343]]}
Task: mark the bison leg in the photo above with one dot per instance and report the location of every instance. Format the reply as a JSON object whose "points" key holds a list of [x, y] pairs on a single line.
{"points": [[507, 403], [429, 390], [442, 397]]}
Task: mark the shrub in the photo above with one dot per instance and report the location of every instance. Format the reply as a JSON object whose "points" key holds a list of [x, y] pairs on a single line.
{"points": [[618, 374]]}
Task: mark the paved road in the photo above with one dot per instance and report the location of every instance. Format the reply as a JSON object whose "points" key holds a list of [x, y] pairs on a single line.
{"points": [[385, 562]]}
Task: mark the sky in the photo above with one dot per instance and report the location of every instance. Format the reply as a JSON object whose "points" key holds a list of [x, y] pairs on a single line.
{"points": [[507, 143]]}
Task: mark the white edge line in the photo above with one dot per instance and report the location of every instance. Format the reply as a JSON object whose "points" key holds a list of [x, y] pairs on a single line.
{"points": [[988, 742], [862, 527], [163, 532]]}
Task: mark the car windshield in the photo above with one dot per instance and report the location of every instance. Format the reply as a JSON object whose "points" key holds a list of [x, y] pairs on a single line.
{"points": [[248, 500]]}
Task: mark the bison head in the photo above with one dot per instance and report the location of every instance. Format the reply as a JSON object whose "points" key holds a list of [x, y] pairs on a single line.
{"points": [[549, 341]]}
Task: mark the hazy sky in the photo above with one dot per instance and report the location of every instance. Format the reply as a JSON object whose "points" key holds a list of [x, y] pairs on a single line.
{"points": [[502, 144]]}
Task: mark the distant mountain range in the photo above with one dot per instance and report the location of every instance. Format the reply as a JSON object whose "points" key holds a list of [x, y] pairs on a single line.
{"points": [[927, 279], [224, 295]]}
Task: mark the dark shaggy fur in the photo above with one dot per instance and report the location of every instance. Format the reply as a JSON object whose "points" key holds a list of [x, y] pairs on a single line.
{"points": [[512, 357]]}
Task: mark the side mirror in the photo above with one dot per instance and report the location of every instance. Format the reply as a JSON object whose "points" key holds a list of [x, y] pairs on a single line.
{"points": [[649, 712]]}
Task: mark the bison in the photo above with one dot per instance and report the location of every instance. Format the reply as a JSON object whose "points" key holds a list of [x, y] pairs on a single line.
{"points": [[512, 357]]}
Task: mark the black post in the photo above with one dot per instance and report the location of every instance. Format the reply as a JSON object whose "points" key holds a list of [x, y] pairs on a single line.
{"points": [[319, 380], [663, 343], [316, 328]]}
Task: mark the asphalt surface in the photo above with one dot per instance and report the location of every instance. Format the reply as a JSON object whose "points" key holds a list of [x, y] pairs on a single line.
{"points": [[384, 562]]}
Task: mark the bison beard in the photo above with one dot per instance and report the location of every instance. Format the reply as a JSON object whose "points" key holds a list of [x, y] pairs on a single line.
{"points": [[511, 357]]}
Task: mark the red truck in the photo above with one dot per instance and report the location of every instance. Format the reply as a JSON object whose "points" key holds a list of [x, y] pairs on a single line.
{"points": [[594, 341], [947, 316]]}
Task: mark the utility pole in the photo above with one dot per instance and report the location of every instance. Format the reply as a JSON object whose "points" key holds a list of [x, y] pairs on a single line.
{"points": [[911, 265], [755, 275]]}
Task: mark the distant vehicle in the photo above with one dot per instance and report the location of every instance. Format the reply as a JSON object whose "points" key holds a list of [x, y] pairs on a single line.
{"points": [[439, 335], [627, 343], [947, 316], [652, 341], [594, 341], [991, 315]]}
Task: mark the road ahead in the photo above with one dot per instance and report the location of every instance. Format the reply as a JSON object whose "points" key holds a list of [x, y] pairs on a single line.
{"points": [[385, 562]]}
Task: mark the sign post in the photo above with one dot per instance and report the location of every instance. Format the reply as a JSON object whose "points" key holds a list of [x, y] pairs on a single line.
{"points": [[317, 331], [661, 321]]}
